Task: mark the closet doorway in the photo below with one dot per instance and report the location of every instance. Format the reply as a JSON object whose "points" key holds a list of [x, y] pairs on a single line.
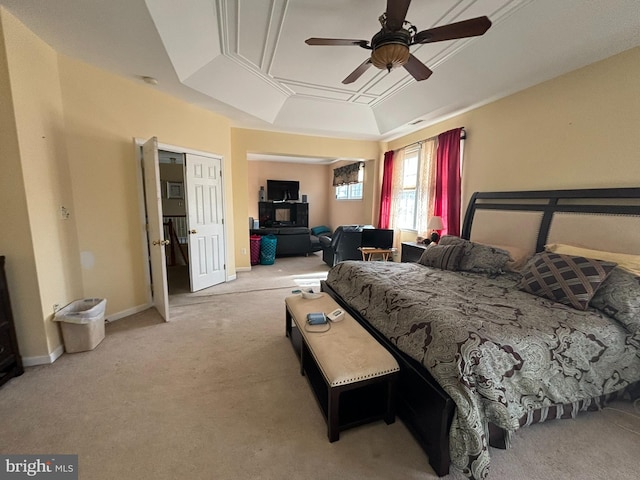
{"points": [[185, 189]]}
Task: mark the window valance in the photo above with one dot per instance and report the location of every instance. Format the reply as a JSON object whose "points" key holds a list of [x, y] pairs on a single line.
{"points": [[347, 174]]}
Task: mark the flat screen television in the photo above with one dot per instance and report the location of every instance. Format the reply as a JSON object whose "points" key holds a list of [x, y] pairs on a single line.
{"points": [[282, 190], [377, 238]]}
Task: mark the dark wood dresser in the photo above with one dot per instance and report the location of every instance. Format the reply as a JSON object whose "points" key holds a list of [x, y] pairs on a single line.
{"points": [[10, 360]]}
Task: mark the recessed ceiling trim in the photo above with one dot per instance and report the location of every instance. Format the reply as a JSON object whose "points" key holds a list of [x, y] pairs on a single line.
{"points": [[221, 9], [284, 5], [267, 36], [453, 13], [337, 97], [317, 86], [397, 87], [271, 157], [364, 99], [247, 64], [529, 42], [232, 52]]}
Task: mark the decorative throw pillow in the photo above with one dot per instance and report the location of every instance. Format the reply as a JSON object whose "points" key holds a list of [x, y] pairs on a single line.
{"points": [[320, 230], [566, 279], [477, 257], [444, 257], [619, 297]]}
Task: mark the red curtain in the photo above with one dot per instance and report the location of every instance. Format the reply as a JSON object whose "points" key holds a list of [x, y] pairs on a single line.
{"points": [[447, 201], [385, 195]]}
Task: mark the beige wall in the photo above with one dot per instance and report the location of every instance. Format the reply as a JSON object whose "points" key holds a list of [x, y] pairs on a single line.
{"points": [[579, 130], [71, 144], [50, 242], [254, 141], [103, 113]]}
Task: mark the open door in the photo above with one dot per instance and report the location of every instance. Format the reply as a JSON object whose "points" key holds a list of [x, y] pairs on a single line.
{"points": [[203, 179], [155, 230]]}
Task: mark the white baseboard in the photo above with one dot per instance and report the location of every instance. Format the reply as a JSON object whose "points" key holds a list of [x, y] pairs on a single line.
{"points": [[59, 350], [130, 311], [43, 359], [243, 269]]}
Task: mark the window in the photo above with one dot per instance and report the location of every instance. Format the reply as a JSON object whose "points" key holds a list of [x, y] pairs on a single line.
{"points": [[408, 194], [352, 191], [415, 191]]}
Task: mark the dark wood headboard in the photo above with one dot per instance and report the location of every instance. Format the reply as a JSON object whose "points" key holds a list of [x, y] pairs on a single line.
{"points": [[608, 201]]}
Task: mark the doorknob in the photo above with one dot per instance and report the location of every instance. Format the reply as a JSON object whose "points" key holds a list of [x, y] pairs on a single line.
{"points": [[192, 232], [161, 242]]}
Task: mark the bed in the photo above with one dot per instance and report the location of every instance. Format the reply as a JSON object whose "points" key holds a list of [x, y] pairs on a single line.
{"points": [[481, 356]]}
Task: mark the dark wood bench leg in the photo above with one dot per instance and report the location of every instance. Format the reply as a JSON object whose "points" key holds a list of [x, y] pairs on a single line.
{"points": [[287, 323], [303, 347], [333, 415], [390, 415]]}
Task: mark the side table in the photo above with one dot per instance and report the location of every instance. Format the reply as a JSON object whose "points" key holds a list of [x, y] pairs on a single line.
{"points": [[368, 253], [412, 251]]}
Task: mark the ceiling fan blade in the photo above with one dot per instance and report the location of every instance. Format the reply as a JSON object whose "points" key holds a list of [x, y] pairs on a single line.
{"points": [[336, 41], [357, 73], [396, 13], [467, 28], [417, 69]]}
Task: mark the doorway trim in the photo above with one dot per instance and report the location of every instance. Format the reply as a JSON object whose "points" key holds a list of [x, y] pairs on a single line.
{"points": [[138, 142]]}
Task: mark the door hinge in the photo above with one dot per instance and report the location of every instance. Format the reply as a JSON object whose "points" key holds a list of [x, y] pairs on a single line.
{"points": [[223, 221]]}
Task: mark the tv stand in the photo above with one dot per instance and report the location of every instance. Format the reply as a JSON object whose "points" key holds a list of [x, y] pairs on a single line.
{"points": [[283, 214]]}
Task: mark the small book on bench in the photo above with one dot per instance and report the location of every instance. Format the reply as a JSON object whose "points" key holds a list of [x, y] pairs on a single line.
{"points": [[316, 318]]}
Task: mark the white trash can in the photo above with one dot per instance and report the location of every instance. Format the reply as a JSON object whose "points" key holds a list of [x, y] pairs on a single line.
{"points": [[82, 323]]}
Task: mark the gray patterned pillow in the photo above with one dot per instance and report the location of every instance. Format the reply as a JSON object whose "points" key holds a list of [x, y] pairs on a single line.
{"points": [[566, 279], [619, 297], [477, 257], [444, 257]]}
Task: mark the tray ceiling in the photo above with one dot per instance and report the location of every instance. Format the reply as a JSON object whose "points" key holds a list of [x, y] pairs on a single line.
{"points": [[247, 59]]}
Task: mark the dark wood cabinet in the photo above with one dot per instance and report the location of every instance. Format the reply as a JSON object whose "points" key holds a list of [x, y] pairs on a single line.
{"points": [[283, 214], [412, 251], [10, 360]]}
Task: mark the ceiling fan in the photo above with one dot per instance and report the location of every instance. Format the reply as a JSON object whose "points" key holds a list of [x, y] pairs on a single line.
{"points": [[390, 46]]}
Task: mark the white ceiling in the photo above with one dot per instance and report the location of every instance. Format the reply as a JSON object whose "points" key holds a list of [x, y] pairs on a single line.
{"points": [[247, 60]]}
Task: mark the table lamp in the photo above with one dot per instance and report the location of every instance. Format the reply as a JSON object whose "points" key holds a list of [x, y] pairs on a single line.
{"points": [[435, 224]]}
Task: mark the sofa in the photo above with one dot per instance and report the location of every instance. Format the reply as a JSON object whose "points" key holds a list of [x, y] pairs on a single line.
{"points": [[291, 240], [342, 244]]}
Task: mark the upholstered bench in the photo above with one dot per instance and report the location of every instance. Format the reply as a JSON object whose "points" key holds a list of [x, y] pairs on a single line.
{"points": [[352, 375]]}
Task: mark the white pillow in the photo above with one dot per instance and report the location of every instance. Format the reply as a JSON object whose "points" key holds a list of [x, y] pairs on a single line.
{"points": [[625, 261]]}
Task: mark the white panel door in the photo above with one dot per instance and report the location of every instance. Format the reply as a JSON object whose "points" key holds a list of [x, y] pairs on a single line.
{"points": [[155, 231], [203, 179]]}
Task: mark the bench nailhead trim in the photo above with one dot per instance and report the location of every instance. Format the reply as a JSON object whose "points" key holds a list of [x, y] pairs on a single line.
{"points": [[364, 377]]}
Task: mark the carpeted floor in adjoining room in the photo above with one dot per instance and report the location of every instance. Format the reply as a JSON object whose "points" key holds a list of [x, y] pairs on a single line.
{"points": [[216, 393]]}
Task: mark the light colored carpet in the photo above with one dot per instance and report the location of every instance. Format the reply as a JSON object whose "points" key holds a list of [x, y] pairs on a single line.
{"points": [[216, 394]]}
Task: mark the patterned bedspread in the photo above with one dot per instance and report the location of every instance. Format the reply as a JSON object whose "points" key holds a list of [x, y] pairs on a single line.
{"points": [[500, 353]]}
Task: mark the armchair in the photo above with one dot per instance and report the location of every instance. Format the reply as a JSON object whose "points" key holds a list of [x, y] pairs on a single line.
{"points": [[342, 244]]}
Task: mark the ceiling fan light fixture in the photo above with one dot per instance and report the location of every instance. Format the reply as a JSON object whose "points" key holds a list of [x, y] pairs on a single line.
{"points": [[390, 46], [390, 49], [390, 56]]}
